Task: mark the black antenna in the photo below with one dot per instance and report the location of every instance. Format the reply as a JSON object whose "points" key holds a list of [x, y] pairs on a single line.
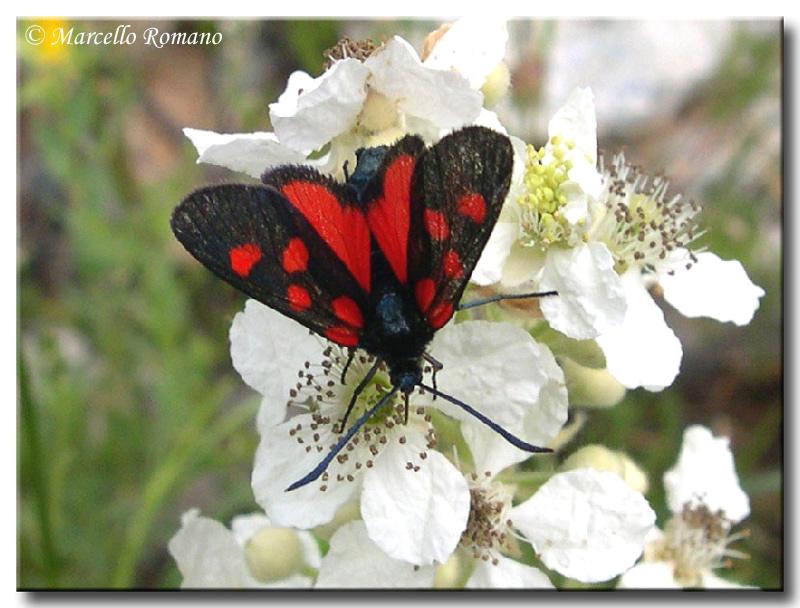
{"points": [[513, 440], [512, 296], [320, 468]]}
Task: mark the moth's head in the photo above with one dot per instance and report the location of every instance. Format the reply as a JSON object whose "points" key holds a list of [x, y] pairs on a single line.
{"points": [[406, 374]]}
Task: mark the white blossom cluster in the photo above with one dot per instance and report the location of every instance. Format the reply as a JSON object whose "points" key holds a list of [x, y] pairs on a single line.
{"points": [[428, 496]]}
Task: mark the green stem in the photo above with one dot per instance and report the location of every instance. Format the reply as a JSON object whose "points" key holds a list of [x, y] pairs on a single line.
{"points": [[37, 472], [180, 461], [526, 478]]}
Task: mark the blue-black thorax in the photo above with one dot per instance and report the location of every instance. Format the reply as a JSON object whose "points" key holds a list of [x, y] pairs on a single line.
{"points": [[395, 330]]}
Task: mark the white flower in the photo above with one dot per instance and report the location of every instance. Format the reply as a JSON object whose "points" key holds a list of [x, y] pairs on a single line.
{"points": [[586, 524], [539, 241], [414, 502], [705, 470], [366, 97], [705, 498], [252, 554], [648, 232], [601, 240]]}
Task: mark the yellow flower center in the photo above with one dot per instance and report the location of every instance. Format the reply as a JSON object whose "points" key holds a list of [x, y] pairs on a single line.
{"points": [[540, 205]]}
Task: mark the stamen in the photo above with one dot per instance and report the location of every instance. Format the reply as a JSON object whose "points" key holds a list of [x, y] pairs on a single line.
{"points": [[382, 414], [488, 528], [641, 225], [346, 48], [698, 539]]}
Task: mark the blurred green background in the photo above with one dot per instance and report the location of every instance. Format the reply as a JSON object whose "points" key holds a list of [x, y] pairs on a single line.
{"points": [[129, 411]]}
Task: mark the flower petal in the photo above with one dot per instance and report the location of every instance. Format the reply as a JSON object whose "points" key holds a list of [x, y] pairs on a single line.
{"points": [[586, 524], [591, 297], [267, 349], [281, 459], [490, 265], [576, 121], [312, 111], [415, 515], [442, 97], [249, 153], [472, 46], [540, 424], [649, 575], [713, 288], [642, 351], [705, 469], [354, 561], [523, 268], [496, 367], [207, 554], [244, 527], [507, 574]]}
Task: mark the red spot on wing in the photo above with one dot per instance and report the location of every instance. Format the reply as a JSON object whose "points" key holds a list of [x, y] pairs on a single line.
{"points": [[424, 291], [348, 311], [439, 314], [295, 257], [388, 215], [298, 297], [343, 227], [435, 225], [243, 258], [452, 265], [346, 336], [473, 206]]}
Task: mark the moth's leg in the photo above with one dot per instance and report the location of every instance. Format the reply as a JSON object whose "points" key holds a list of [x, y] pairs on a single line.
{"points": [[361, 385], [351, 353], [435, 364]]}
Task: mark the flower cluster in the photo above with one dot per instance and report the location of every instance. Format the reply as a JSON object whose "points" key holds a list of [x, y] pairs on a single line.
{"points": [[423, 494], [706, 500]]}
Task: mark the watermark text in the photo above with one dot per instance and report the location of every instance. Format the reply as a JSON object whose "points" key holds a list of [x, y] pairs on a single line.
{"points": [[122, 35]]}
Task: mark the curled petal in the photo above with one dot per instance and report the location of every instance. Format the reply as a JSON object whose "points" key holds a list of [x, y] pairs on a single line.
{"points": [[642, 351], [354, 561], [249, 153], [312, 111], [442, 97], [713, 288], [586, 524], [705, 470], [591, 296], [472, 46], [415, 515]]}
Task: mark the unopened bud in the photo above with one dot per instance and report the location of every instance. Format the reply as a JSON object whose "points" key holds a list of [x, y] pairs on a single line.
{"points": [[588, 386], [273, 554], [497, 84], [449, 575], [600, 458]]}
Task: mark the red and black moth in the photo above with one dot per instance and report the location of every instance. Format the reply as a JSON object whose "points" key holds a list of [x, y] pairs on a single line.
{"points": [[378, 263]]}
